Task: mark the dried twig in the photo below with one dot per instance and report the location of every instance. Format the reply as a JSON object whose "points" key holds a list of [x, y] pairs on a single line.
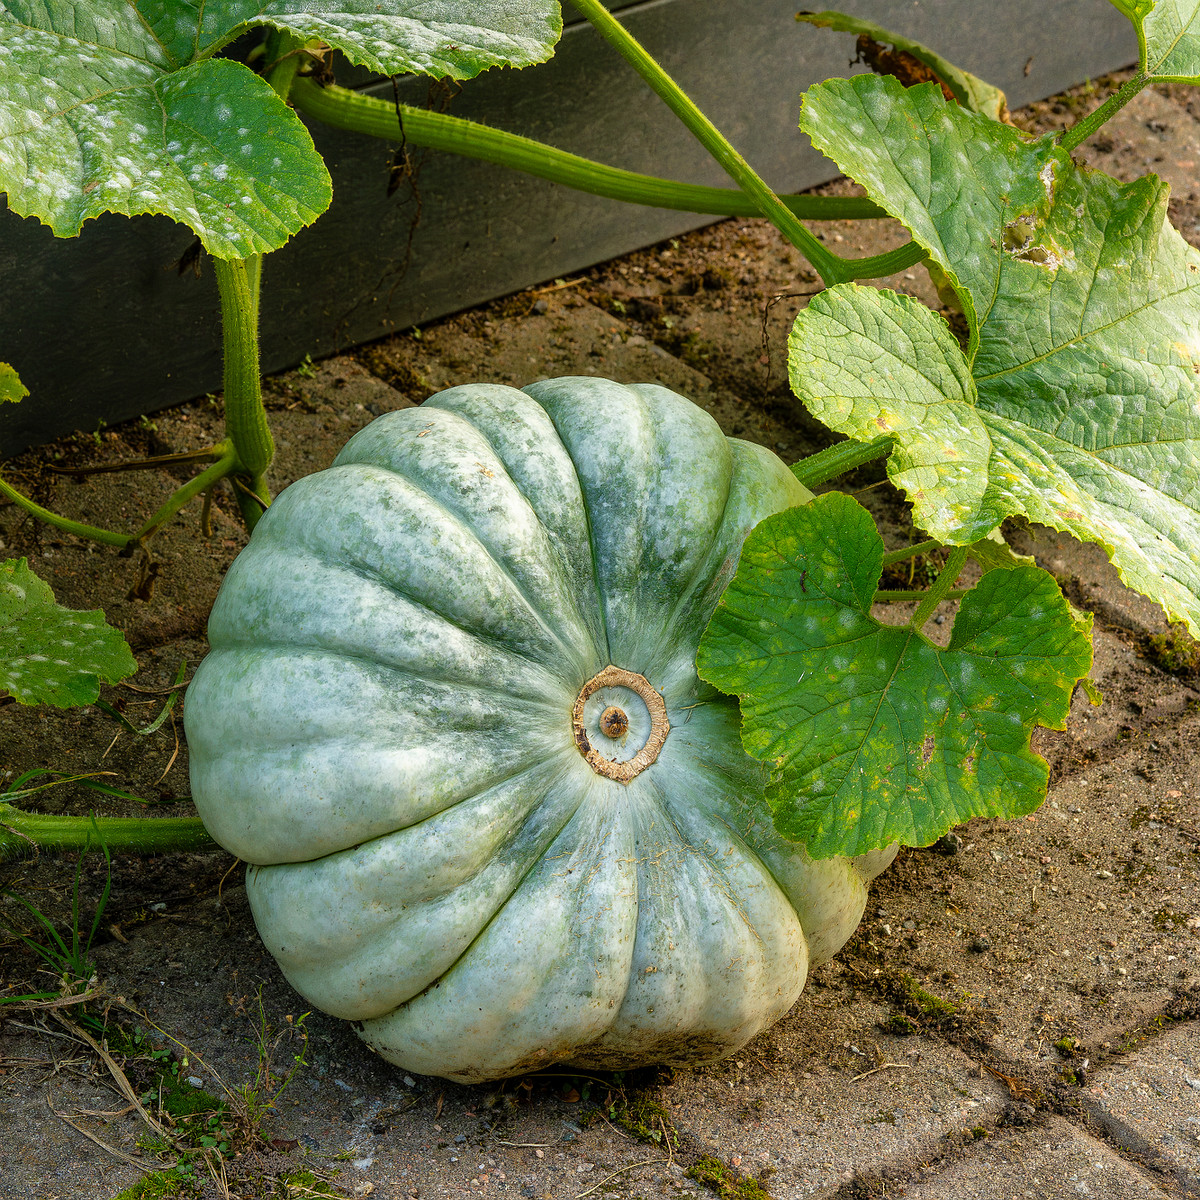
{"points": [[7, 1007], [133, 1162], [881, 1067], [119, 1077], [629, 1167]]}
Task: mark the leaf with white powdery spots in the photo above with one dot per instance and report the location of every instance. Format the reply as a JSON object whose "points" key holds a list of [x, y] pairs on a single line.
{"points": [[116, 107], [50, 654], [85, 131], [1077, 402], [431, 37], [875, 735]]}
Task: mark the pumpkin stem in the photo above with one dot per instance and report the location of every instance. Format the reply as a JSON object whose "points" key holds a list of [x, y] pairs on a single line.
{"points": [[615, 724]]}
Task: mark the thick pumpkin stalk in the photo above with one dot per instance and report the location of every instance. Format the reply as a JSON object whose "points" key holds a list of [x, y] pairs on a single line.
{"points": [[245, 418]]}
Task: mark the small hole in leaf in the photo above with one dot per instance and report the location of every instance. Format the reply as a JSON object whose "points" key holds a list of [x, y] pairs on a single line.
{"points": [[1018, 234]]}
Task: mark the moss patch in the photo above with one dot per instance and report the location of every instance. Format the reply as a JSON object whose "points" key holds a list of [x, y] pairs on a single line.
{"points": [[158, 1185], [643, 1118], [725, 1181], [1176, 651]]}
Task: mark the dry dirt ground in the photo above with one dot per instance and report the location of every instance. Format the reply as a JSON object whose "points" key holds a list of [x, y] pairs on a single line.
{"points": [[1017, 1015]]}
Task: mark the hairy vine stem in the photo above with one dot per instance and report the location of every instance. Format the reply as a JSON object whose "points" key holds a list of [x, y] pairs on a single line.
{"points": [[345, 109], [227, 461], [1082, 130], [942, 589], [23, 833], [245, 417], [907, 552], [355, 112], [838, 459]]}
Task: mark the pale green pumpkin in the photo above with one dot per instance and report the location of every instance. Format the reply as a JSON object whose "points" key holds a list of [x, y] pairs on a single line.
{"points": [[462, 840]]}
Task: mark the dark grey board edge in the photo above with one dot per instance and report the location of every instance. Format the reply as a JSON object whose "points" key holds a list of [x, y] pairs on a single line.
{"points": [[102, 328]]}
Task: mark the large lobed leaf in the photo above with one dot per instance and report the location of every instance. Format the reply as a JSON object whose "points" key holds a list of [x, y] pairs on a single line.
{"points": [[117, 107], [50, 654], [874, 734], [1077, 402], [1168, 37]]}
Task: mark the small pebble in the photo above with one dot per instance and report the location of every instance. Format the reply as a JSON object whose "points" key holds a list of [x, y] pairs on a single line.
{"points": [[949, 843]]}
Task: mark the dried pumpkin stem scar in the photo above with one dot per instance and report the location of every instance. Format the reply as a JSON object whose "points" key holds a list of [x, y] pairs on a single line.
{"points": [[614, 720]]}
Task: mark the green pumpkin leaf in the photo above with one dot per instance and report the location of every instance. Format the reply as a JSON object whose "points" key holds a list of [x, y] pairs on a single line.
{"points": [[11, 387], [1077, 402], [430, 37], [874, 734], [50, 654], [993, 553], [968, 90], [1168, 37], [85, 132], [117, 107]]}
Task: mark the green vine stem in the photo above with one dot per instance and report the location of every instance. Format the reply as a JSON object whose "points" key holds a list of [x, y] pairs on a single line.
{"points": [[224, 465], [1082, 130], [194, 486], [93, 533], [907, 552], [838, 459], [942, 589], [23, 834], [284, 57], [889, 596], [829, 266], [245, 418], [356, 113]]}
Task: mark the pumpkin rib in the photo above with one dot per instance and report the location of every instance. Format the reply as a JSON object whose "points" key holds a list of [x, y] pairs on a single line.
{"points": [[568, 653], [620, 438], [413, 475], [537, 698], [543, 996], [382, 942], [292, 789], [501, 414], [314, 535], [725, 540]]}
